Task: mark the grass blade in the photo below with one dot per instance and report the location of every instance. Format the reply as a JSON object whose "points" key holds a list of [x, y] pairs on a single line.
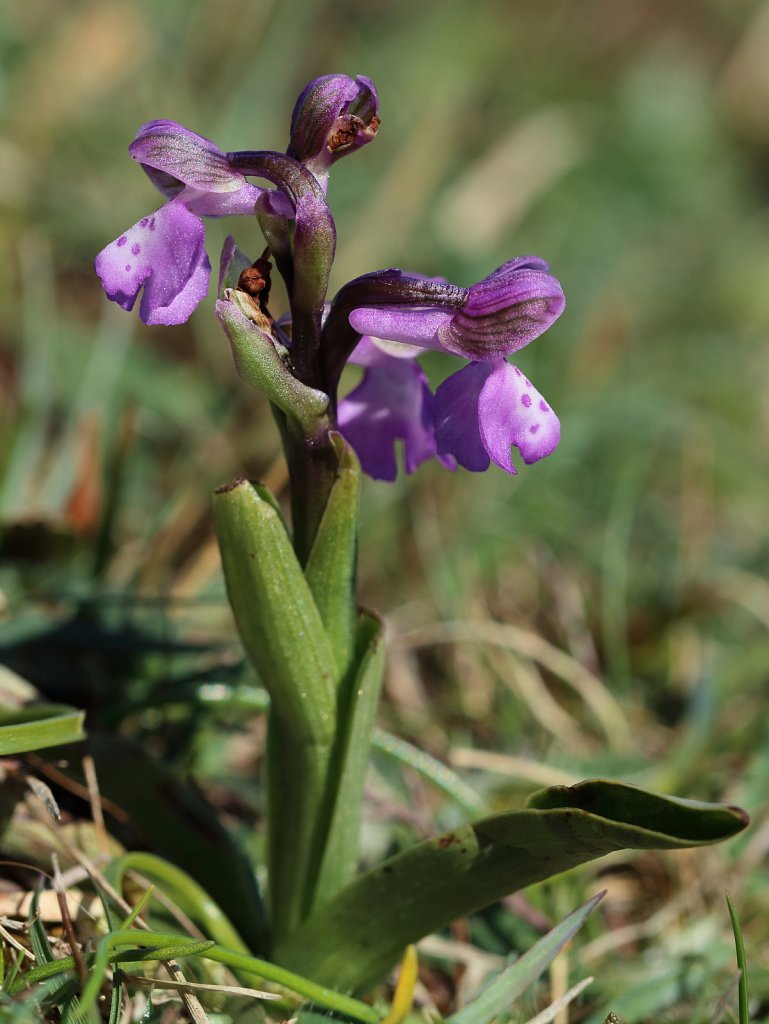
{"points": [[515, 979]]}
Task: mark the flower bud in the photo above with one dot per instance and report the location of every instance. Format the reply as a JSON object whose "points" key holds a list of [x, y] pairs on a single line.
{"points": [[334, 116]]}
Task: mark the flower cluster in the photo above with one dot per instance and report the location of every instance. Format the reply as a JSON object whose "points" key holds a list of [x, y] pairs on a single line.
{"points": [[380, 322]]}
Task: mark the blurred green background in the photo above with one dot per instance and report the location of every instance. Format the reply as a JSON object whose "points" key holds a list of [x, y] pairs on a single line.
{"points": [[620, 585]]}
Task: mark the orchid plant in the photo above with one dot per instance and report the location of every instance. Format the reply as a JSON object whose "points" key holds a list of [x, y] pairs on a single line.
{"points": [[292, 588]]}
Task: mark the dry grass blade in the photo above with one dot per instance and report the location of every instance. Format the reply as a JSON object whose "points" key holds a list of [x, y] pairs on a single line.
{"points": [[523, 676], [179, 986], [559, 1005], [527, 644], [509, 764], [97, 811], [191, 1002]]}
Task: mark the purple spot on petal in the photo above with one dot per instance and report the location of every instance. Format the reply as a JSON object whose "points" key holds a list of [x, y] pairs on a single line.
{"points": [[152, 224], [144, 222], [136, 248], [127, 267], [534, 428], [528, 383], [122, 240], [544, 406], [526, 400], [517, 371]]}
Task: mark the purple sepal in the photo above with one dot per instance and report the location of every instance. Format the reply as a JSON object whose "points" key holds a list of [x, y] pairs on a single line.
{"points": [[505, 311], [334, 116], [176, 152], [393, 402], [485, 409], [164, 254], [498, 315]]}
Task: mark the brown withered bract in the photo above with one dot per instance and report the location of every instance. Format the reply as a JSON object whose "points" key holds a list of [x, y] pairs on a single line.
{"points": [[349, 127], [256, 281]]}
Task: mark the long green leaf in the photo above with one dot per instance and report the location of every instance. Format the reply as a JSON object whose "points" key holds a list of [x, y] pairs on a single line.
{"points": [[163, 946], [40, 726], [340, 855], [515, 979], [275, 611], [330, 569], [190, 897], [286, 640], [742, 963], [354, 939]]}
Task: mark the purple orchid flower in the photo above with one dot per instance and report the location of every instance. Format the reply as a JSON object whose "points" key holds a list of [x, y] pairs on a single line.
{"points": [[392, 402], [164, 253], [483, 410], [334, 116]]}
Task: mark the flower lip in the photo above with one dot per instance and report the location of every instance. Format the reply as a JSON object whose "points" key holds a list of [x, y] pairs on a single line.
{"points": [[162, 254], [171, 153]]}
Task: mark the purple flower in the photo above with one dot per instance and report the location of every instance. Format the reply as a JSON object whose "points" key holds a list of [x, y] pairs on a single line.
{"points": [[164, 252], [334, 116], [500, 314], [483, 410], [392, 402]]}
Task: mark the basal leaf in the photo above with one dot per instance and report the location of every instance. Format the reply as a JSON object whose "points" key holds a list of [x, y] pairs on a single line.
{"points": [[42, 725], [353, 940]]}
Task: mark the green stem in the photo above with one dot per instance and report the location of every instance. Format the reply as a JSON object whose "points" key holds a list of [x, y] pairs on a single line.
{"points": [[312, 466]]}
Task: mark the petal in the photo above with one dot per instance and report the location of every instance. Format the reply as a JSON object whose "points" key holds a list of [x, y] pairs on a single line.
{"points": [[170, 148], [392, 402], [394, 323], [369, 351], [505, 311], [163, 253], [334, 116], [512, 412], [239, 202], [456, 417]]}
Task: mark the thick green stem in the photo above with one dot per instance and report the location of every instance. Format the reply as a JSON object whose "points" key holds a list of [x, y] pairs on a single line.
{"points": [[312, 466]]}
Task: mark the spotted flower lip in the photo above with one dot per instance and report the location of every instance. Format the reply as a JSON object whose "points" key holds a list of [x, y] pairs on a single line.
{"points": [[164, 253], [334, 116], [500, 314], [486, 409]]}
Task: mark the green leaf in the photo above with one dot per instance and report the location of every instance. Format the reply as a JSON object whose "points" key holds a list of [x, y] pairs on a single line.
{"points": [[353, 940], [275, 612], [692, 821], [259, 363], [515, 979], [742, 963], [43, 725], [330, 569], [284, 636], [340, 855]]}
